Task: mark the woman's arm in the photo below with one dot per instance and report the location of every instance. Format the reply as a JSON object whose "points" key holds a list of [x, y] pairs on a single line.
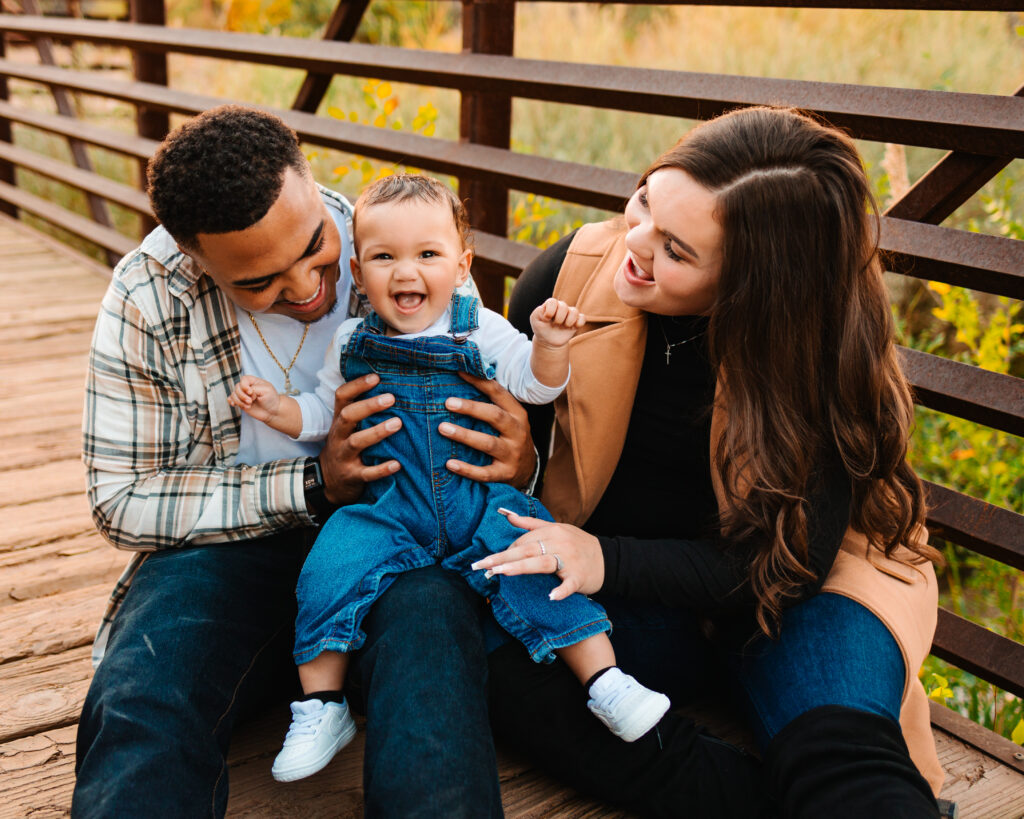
{"points": [[712, 574], [706, 575]]}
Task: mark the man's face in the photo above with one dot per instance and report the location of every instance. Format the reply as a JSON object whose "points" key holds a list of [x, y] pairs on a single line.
{"points": [[286, 263]]}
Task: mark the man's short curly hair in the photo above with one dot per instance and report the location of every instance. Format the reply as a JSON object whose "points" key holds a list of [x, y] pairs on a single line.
{"points": [[221, 171]]}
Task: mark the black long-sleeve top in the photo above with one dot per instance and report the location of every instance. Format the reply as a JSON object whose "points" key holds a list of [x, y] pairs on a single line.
{"points": [[656, 522]]}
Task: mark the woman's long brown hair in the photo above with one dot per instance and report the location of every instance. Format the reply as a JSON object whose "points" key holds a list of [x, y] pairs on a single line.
{"points": [[801, 337]]}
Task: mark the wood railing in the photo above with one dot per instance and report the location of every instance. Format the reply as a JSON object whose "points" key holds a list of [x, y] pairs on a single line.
{"points": [[982, 134]]}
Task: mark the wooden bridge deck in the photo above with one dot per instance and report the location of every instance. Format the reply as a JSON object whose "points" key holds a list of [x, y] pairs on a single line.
{"points": [[56, 573]]}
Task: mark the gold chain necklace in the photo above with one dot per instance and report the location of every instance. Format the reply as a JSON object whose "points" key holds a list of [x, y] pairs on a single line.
{"points": [[288, 388]]}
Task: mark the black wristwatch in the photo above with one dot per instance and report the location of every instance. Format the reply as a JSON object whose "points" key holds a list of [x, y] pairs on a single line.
{"points": [[317, 505]]}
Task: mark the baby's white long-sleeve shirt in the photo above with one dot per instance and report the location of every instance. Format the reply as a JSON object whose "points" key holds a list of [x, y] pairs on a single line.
{"points": [[499, 343]]}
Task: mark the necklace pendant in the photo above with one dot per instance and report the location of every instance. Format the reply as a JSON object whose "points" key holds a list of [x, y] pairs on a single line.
{"points": [[668, 355], [288, 388]]}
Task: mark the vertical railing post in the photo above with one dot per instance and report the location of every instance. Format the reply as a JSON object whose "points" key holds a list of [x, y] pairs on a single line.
{"points": [[6, 168], [152, 68], [341, 27], [485, 118]]}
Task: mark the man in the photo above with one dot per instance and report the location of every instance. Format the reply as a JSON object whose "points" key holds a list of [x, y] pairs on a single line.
{"points": [[249, 273]]}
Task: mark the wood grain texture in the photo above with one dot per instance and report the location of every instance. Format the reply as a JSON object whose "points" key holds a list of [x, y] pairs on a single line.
{"points": [[43, 693], [38, 774]]}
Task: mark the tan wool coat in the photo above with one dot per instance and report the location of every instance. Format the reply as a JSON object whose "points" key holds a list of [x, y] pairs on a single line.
{"points": [[591, 418]]}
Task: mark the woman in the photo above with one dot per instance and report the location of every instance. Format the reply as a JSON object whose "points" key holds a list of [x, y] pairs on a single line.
{"points": [[729, 463]]}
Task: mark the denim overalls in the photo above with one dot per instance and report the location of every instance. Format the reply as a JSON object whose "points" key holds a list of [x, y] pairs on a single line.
{"points": [[424, 513]]}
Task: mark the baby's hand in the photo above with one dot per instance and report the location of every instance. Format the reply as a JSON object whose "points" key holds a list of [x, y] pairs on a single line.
{"points": [[555, 322], [256, 397]]}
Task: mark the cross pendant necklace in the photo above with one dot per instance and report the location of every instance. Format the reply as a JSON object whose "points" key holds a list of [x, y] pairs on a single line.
{"points": [[669, 345]]}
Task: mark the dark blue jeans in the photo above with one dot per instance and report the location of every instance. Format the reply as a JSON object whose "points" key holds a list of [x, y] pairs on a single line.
{"points": [[206, 633], [830, 651]]}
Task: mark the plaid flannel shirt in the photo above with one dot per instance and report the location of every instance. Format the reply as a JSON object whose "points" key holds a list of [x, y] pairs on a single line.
{"points": [[159, 437]]}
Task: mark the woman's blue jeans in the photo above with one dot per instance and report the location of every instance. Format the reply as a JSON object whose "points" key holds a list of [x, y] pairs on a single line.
{"points": [[830, 651], [205, 633]]}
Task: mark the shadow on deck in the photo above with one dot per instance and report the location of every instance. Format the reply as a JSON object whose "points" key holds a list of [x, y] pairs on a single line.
{"points": [[57, 573]]}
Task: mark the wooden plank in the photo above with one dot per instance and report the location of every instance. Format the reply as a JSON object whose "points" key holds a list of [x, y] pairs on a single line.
{"points": [[981, 787], [59, 369], [61, 402], [44, 521], [32, 629], [55, 418], [83, 309], [79, 225], [41, 482], [43, 693], [27, 454], [77, 543], [45, 342], [977, 123], [35, 395], [62, 567], [72, 258], [38, 774]]}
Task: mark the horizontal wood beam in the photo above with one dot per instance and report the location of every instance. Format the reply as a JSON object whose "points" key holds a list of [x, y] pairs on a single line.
{"points": [[928, 251], [981, 652], [73, 223], [87, 181], [988, 398], [121, 142], [985, 124], [574, 182], [985, 528], [992, 264]]}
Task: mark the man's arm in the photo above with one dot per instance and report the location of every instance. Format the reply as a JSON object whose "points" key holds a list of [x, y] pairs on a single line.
{"points": [[153, 479]]}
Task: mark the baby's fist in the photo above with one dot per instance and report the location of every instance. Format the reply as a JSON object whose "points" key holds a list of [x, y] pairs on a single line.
{"points": [[555, 322]]}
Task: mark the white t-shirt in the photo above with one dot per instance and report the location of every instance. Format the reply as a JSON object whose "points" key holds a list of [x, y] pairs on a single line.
{"points": [[257, 442], [500, 344]]}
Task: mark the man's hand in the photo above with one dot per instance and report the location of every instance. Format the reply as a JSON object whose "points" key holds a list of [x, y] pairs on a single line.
{"points": [[511, 449], [341, 460]]}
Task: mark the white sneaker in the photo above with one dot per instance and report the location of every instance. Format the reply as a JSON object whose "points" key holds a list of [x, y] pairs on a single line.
{"points": [[626, 707], [318, 731]]}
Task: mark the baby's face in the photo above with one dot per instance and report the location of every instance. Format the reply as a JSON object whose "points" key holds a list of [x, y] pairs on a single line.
{"points": [[410, 260]]}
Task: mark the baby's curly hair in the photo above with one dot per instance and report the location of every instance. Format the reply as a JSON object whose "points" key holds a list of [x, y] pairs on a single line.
{"points": [[404, 186], [221, 171]]}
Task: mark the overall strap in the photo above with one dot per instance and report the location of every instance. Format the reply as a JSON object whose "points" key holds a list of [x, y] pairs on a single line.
{"points": [[465, 312], [372, 323]]}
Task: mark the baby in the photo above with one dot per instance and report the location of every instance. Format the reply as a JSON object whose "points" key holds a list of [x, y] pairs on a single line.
{"points": [[412, 256]]}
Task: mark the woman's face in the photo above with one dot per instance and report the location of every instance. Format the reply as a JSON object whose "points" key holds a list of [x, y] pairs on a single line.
{"points": [[674, 247]]}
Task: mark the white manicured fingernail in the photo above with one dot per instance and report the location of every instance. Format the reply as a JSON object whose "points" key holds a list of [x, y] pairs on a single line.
{"points": [[489, 574], [551, 595], [475, 566], [453, 403], [503, 511], [446, 428], [392, 423]]}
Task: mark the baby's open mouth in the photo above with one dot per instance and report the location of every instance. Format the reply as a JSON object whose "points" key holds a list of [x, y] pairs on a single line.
{"points": [[408, 302]]}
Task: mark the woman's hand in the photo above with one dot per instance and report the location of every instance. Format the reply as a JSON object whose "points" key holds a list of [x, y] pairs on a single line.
{"points": [[511, 449], [551, 548], [341, 460]]}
